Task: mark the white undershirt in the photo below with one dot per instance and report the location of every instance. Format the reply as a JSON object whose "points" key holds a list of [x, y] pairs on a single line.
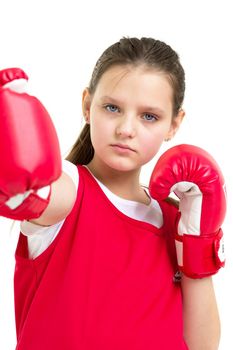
{"points": [[40, 237]]}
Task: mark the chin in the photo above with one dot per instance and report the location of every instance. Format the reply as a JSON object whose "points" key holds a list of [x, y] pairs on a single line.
{"points": [[123, 166]]}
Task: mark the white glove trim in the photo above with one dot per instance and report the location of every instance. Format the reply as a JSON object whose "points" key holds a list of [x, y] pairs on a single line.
{"points": [[17, 85], [190, 207], [221, 251], [18, 199]]}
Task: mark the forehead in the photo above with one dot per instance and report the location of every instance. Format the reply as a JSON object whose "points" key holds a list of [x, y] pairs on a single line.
{"points": [[146, 85]]}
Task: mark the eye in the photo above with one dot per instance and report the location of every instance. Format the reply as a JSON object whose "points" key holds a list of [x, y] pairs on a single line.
{"points": [[111, 108], [150, 117]]}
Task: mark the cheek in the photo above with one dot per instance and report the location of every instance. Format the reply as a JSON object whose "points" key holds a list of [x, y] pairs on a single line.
{"points": [[95, 136], [151, 144], [99, 130]]}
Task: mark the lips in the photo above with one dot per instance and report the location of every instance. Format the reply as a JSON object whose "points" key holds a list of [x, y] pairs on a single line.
{"points": [[120, 145]]}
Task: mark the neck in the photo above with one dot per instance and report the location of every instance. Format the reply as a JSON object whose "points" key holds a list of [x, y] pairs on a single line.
{"points": [[123, 183]]}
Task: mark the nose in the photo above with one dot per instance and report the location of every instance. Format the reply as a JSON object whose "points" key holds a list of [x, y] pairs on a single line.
{"points": [[126, 126]]}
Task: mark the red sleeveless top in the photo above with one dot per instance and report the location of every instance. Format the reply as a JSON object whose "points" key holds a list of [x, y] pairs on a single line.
{"points": [[104, 283]]}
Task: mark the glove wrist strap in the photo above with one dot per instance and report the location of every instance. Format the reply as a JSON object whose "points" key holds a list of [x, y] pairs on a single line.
{"points": [[200, 256]]}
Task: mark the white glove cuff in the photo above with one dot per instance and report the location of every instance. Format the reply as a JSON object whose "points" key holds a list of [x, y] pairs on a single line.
{"points": [[17, 85]]}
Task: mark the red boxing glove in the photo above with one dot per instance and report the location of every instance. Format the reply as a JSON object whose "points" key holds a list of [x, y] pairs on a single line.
{"points": [[194, 176], [29, 150]]}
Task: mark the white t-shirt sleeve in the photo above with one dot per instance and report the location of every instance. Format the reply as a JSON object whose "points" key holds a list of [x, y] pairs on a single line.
{"points": [[40, 237], [71, 170]]}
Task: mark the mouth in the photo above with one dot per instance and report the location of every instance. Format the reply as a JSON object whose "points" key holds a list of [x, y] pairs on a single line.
{"points": [[123, 147]]}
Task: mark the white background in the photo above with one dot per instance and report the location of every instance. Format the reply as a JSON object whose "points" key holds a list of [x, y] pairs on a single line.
{"points": [[58, 42]]}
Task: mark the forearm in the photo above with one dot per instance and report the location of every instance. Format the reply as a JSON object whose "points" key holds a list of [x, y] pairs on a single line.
{"points": [[58, 208], [200, 314]]}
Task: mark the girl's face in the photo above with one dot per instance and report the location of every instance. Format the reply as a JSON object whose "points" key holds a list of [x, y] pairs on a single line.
{"points": [[130, 115]]}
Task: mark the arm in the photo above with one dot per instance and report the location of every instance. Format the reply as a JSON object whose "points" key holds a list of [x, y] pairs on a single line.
{"points": [[200, 314], [196, 179], [58, 208]]}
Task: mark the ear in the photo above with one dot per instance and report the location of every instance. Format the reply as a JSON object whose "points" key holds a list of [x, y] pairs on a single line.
{"points": [[86, 104], [175, 124]]}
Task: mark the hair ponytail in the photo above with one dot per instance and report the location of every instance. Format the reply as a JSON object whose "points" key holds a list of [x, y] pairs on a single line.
{"points": [[82, 151]]}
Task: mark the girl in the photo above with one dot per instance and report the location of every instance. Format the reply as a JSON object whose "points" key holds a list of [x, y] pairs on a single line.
{"points": [[96, 269]]}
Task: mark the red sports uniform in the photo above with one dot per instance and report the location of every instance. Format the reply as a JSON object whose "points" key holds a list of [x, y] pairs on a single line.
{"points": [[104, 283]]}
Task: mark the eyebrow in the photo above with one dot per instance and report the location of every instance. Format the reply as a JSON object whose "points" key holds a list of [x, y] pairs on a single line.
{"points": [[145, 108]]}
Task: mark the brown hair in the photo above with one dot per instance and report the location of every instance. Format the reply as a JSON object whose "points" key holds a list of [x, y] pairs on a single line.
{"points": [[145, 51]]}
